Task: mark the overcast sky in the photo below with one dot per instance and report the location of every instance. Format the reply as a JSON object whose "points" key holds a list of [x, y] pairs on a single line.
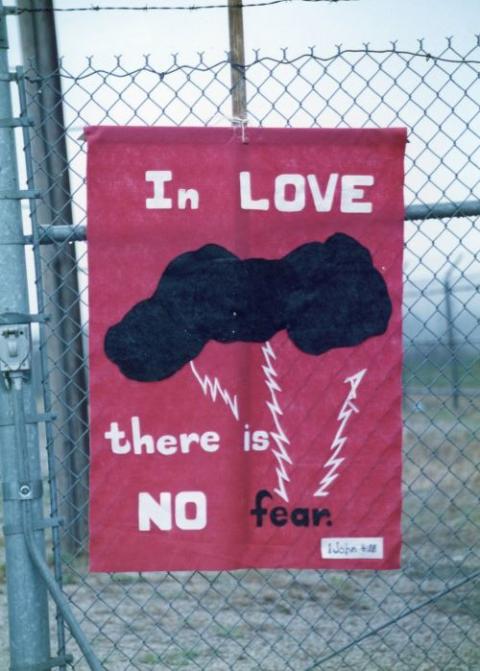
{"points": [[294, 24]]}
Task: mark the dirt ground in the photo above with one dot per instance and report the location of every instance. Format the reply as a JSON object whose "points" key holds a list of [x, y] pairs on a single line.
{"points": [[276, 620]]}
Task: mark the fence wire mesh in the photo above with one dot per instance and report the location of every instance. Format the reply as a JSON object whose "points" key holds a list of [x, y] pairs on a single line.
{"points": [[425, 616]]}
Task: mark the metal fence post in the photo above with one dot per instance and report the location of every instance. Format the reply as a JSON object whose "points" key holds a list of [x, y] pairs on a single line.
{"points": [[27, 594], [451, 344], [68, 378]]}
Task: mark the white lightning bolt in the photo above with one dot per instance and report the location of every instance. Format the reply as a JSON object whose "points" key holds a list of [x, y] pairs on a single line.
{"points": [[214, 389], [347, 410], [278, 435]]}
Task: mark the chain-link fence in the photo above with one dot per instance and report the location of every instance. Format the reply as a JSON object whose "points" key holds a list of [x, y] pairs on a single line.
{"points": [[425, 616]]}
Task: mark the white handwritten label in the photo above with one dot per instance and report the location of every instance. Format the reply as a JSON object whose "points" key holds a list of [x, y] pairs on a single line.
{"points": [[352, 548]]}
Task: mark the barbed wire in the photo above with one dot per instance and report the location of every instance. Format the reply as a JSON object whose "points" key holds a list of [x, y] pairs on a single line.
{"points": [[149, 8], [30, 74]]}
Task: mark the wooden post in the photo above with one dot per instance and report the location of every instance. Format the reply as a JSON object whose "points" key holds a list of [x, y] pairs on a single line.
{"points": [[237, 59]]}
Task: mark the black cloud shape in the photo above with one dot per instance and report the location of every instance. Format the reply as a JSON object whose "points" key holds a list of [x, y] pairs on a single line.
{"points": [[325, 295]]}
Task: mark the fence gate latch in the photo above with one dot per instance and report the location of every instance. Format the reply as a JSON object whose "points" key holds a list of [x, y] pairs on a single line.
{"points": [[14, 348]]}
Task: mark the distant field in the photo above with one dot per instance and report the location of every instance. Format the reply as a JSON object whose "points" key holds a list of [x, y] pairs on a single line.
{"points": [[438, 373]]}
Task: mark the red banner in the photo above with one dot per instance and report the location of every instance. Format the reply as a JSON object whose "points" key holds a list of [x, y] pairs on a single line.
{"points": [[245, 348]]}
